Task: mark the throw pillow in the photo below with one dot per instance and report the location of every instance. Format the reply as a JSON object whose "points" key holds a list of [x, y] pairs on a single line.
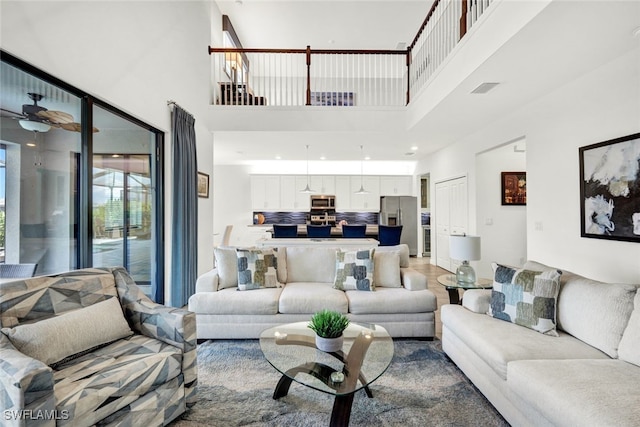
{"points": [[386, 270], [629, 348], [56, 338], [257, 268], [354, 270], [227, 265], [525, 297]]}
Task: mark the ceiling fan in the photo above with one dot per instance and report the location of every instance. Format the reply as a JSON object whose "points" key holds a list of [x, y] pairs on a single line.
{"points": [[36, 118]]}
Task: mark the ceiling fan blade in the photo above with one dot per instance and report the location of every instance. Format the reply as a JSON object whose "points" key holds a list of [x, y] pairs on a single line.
{"points": [[75, 127], [57, 117], [15, 114]]}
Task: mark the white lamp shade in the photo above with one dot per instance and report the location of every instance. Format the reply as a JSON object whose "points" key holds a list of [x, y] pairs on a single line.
{"points": [[32, 125], [464, 248]]}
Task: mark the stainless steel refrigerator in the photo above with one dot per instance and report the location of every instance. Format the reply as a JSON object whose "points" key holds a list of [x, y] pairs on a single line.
{"points": [[402, 210]]}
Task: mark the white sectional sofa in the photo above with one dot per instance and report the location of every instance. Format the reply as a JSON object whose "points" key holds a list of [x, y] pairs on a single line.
{"points": [[588, 375], [400, 302]]}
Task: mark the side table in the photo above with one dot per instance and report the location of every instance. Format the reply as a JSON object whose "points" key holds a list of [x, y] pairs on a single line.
{"points": [[451, 284]]}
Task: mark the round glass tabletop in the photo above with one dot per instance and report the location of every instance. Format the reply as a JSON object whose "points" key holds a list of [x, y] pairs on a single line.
{"points": [[366, 354]]}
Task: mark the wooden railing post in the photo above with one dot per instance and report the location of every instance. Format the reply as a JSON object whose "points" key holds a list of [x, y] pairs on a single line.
{"points": [[308, 75], [463, 19]]}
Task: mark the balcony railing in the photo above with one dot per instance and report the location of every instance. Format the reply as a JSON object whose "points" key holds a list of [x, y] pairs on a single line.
{"points": [[366, 78]]}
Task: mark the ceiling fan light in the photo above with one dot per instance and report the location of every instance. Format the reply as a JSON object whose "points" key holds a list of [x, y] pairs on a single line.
{"points": [[32, 125]]}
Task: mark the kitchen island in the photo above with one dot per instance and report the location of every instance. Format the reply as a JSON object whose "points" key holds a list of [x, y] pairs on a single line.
{"points": [[372, 230], [326, 242]]}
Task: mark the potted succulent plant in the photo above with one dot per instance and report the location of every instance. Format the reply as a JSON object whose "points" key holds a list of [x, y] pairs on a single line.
{"points": [[328, 326]]}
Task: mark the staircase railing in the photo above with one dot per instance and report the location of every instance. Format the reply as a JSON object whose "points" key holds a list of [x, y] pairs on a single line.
{"points": [[321, 77]]}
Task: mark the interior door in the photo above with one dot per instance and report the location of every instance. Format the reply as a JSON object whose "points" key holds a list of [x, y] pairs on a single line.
{"points": [[451, 217]]}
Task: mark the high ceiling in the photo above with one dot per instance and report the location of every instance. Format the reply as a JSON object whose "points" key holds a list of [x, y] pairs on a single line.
{"points": [[326, 24], [563, 42]]}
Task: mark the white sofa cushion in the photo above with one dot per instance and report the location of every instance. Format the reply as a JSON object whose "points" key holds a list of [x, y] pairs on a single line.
{"points": [[232, 301], [308, 298], [354, 270], [595, 312], [391, 300], [497, 343], [58, 337], [227, 266], [629, 349], [386, 271], [311, 264], [579, 392], [402, 250]]}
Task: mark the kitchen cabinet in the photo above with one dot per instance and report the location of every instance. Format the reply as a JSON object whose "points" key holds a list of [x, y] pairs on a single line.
{"points": [[282, 192], [291, 197], [323, 184], [369, 201], [396, 185], [265, 192], [343, 193]]}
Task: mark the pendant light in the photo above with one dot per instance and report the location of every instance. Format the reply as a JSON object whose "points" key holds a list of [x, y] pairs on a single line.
{"points": [[307, 189], [361, 190]]}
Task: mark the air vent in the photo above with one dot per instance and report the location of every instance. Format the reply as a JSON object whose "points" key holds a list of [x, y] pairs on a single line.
{"points": [[484, 88]]}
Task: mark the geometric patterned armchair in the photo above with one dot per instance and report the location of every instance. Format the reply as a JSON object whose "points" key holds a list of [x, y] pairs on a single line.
{"points": [[88, 347]]}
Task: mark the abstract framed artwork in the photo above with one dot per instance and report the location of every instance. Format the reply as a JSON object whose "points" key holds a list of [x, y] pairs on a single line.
{"points": [[340, 99], [514, 188], [610, 189], [203, 185]]}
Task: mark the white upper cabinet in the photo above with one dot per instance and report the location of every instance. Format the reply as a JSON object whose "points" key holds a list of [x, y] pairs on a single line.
{"points": [[396, 186], [343, 193], [265, 192], [282, 192], [369, 201], [291, 197], [323, 184]]}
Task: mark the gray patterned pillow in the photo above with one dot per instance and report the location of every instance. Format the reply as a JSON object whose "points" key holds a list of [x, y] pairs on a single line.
{"points": [[257, 268], [525, 297], [354, 270]]}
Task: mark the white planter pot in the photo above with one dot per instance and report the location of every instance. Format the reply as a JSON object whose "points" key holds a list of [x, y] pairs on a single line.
{"points": [[329, 344]]}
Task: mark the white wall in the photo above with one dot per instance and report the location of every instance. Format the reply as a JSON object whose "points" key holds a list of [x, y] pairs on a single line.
{"points": [[232, 189], [603, 104], [494, 222], [134, 55]]}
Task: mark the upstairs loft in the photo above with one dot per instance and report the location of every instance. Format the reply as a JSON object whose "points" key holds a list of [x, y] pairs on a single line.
{"points": [[342, 78]]}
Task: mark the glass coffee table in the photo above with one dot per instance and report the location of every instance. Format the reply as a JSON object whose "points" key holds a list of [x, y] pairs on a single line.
{"points": [[365, 356], [452, 285]]}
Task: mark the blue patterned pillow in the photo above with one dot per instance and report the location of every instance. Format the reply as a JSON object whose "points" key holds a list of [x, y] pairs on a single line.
{"points": [[354, 270], [525, 297], [257, 269]]}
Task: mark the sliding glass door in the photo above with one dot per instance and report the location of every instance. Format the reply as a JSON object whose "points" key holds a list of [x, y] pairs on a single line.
{"points": [[123, 196], [80, 181]]}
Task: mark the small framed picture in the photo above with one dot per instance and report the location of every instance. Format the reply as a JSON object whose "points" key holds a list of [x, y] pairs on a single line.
{"points": [[203, 185], [514, 188]]}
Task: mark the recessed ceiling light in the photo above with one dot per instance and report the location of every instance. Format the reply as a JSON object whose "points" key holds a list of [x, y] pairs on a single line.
{"points": [[31, 144], [278, 157], [484, 88], [367, 157], [115, 156], [323, 158], [414, 148]]}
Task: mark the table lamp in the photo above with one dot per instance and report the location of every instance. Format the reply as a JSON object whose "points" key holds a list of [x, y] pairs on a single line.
{"points": [[465, 248]]}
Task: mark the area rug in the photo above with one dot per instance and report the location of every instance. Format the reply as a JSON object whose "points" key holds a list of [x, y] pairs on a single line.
{"points": [[422, 387]]}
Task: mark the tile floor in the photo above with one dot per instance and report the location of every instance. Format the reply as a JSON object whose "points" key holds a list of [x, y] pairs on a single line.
{"points": [[432, 272]]}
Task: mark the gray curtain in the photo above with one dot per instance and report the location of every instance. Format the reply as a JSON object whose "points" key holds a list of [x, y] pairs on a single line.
{"points": [[184, 240]]}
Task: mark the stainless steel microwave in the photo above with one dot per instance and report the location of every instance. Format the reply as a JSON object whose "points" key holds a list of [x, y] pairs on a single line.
{"points": [[323, 202]]}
